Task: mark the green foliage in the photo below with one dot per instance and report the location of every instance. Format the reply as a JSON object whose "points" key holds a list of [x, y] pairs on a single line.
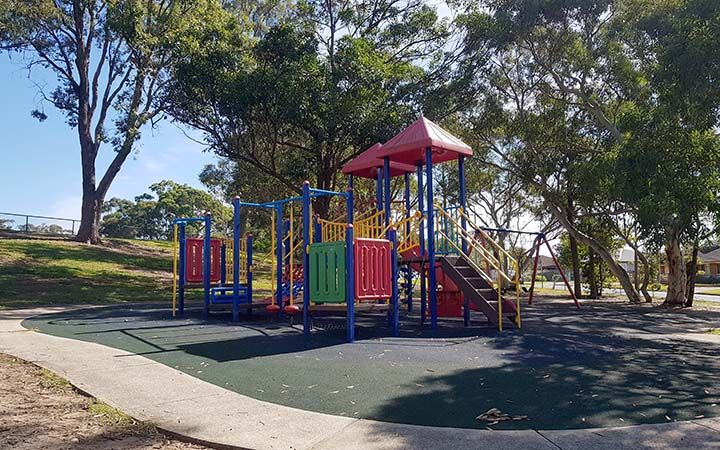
{"points": [[150, 216], [309, 93]]}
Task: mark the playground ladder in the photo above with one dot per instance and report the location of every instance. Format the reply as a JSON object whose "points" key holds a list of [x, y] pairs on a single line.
{"points": [[478, 270]]}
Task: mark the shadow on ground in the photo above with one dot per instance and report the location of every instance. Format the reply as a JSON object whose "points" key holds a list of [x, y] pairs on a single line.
{"points": [[607, 365]]}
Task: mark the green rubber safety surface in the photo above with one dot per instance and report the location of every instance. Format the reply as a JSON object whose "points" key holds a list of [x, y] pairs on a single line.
{"points": [[602, 366]]}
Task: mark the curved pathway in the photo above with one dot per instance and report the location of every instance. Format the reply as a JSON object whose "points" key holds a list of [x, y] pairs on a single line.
{"points": [[186, 406]]}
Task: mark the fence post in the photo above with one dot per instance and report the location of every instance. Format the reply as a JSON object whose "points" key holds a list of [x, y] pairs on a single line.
{"points": [[27, 224]]}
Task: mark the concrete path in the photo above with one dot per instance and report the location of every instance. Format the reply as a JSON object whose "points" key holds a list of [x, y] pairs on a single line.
{"points": [[186, 406]]}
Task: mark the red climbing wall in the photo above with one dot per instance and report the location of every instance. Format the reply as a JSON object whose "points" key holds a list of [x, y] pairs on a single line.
{"points": [[373, 274], [194, 260]]}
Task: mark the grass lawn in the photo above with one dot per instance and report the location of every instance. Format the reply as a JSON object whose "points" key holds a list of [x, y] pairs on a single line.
{"points": [[36, 272], [712, 291]]}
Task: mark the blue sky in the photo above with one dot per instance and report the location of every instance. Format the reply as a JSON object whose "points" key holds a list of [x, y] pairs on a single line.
{"points": [[41, 161]]}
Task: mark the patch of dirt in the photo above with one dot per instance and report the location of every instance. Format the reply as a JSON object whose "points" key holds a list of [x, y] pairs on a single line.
{"points": [[130, 248], [41, 410]]}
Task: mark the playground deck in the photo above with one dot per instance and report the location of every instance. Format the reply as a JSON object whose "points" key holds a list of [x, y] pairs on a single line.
{"points": [[607, 365]]}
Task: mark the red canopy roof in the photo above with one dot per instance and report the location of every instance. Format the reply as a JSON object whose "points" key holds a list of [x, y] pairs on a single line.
{"points": [[409, 146], [366, 164]]}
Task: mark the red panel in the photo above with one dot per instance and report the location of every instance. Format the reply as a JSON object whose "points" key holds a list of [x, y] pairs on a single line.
{"points": [[194, 260], [373, 274], [450, 304]]}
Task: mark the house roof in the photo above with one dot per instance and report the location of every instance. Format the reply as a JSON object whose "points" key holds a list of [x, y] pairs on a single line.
{"points": [[366, 164], [711, 256], [546, 262], [626, 255], [409, 145]]}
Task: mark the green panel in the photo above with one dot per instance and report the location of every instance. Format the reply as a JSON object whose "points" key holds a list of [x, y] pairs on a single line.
{"points": [[327, 272]]}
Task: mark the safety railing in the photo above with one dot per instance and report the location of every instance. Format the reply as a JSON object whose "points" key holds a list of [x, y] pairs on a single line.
{"points": [[331, 231], [408, 231], [371, 227]]}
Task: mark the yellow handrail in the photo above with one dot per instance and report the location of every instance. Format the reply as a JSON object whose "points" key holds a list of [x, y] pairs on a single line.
{"points": [[472, 263], [370, 227], [407, 237], [489, 259], [479, 230], [486, 254]]}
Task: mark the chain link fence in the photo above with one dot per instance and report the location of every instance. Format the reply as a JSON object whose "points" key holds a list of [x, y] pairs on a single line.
{"points": [[37, 225]]}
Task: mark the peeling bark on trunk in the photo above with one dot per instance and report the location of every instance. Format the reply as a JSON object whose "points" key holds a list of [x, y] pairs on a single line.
{"points": [[677, 275]]}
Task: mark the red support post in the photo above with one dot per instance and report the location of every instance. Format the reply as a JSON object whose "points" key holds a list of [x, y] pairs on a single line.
{"points": [[557, 264], [535, 267]]}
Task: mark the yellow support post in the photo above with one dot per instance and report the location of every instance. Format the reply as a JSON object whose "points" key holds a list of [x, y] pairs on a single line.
{"points": [[499, 301], [518, 321], [272, 247]]}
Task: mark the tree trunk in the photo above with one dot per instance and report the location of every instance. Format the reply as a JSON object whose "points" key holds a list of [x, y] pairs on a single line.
{"points": [[691, 274], [646, 276], [677, 276], [592, 275], [575, 260], [583, 238], [89, 230]]}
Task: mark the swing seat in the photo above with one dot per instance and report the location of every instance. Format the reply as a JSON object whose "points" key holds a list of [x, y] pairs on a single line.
{"points": [[272, 309], [291, 310]]}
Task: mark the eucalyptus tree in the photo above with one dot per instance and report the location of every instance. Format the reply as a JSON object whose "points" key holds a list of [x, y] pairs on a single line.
{"points": [[620, 92], [326, 82], [111, 60]]}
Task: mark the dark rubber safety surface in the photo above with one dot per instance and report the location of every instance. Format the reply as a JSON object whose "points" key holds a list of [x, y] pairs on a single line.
{"points": [[602, 366]]}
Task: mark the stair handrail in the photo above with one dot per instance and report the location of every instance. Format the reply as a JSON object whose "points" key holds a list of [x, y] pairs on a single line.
{"points": [[485, 253], [472, 263], [495, 263], [513, 260], [482, 232]]}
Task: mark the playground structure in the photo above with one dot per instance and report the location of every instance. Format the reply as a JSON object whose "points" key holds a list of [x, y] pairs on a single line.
{"points": [[356, 260]]}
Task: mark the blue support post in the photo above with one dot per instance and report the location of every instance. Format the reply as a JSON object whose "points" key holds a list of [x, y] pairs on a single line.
{"points": [[223, 263], [350, 285], [432, 278], [463, 223], [421, 208], [206, 263], [181, 257], [386, 182], [236, 260], [350, 182], [378, 191], [306, 258], [394, 300], [408, 273], [350, 205], [279, 257]]}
